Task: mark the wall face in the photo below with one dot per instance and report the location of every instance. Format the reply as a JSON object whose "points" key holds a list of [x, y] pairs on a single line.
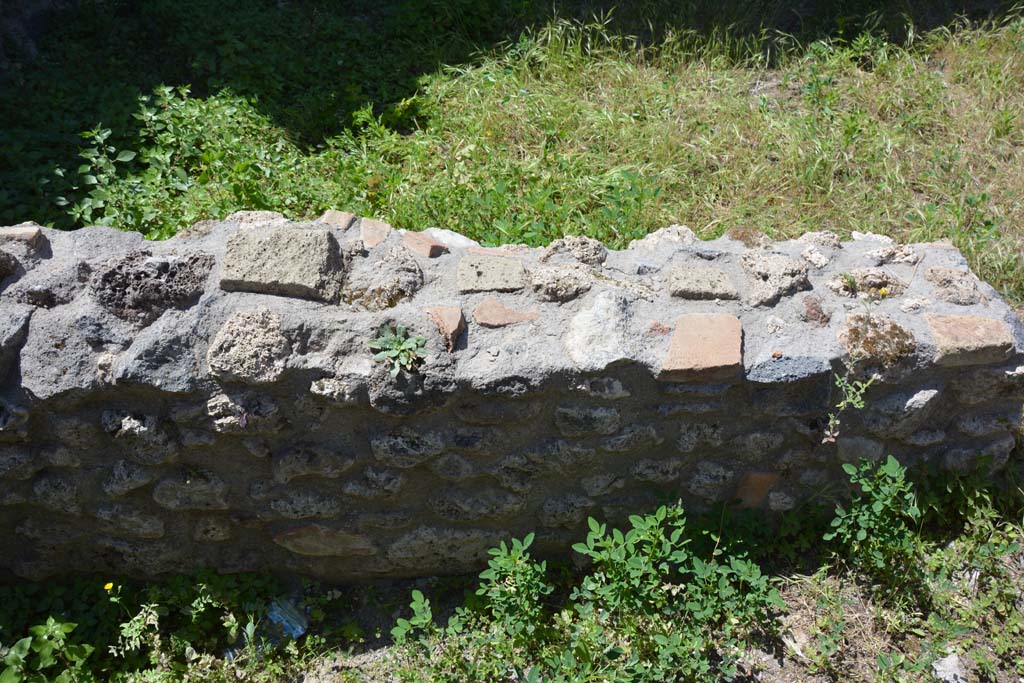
{"points": [[212, 400]]}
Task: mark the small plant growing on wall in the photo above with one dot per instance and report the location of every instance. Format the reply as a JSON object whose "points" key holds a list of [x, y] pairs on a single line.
{"points": [[853, 397], [395, 347]]}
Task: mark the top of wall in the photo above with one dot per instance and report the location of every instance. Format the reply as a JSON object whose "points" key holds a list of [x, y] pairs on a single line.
{"points": [[257, 299]]}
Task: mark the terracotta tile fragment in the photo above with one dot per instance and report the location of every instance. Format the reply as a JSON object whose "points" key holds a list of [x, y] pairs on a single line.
{"points": [[493, 313], [422, 245], [704, 346], [450, 323]]}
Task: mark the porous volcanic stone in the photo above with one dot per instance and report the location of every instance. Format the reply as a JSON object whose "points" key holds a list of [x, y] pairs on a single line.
{"points": [[125, 477], [583, 249], [431, 548], [283, 261], [140, 287], [18, 463], [561, 282], [693, 281], [309, 461], [773, 276], [599, 335], [483, 273], [298, 504], [131, 521], [815, 257], [196, 490], [873, 282], [382, 280], [955, 285], [13, 330], [587, 420], [316, 540], [461, 505], [249, 347], [876, 339], [8, 265], [405, 447]]}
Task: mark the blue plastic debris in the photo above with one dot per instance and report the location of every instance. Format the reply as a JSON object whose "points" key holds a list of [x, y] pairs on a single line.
{"points": [[286, 616]]}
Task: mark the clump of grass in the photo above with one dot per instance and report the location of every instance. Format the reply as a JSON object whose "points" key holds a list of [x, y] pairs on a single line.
{"points": [[572, 128], [565, 127]]}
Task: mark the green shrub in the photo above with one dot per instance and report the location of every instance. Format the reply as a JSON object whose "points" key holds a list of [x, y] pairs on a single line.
{"points": [[45, 655], [191, 159], [514, 589], [649, 610], [422, 619], [683, 617], [879, 533]]}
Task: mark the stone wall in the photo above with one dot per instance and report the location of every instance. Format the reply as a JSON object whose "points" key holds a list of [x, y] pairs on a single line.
{"points": [[212, 399]]}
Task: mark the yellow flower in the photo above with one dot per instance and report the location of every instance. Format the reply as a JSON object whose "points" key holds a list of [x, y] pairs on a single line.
{"points": [[883, 292], [108, 586]]}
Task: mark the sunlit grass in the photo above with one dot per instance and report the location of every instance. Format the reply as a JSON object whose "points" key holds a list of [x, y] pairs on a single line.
{"points": [[574, 128]]}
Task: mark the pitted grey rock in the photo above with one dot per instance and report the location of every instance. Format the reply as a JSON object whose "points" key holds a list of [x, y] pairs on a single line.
{"points": [[773, 276], [250, 347], [688, 280]]}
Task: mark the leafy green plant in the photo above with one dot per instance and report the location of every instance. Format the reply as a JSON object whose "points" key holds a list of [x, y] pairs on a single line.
{"points": [[977, 596], [514, 589], [45, 655], [650, 609], [395, 347], [852, 392], [422, 619], [878, 532], [682, 615]]}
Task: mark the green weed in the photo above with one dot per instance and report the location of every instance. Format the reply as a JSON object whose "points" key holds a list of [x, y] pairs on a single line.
{"points": [[398, 350]]}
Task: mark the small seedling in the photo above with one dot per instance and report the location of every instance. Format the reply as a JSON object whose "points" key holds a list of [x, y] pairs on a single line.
{"points": [[853, 397], [395, 346], [849, 283]]}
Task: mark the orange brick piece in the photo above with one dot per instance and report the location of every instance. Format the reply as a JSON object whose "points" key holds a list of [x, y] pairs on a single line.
{"points": [[969, 340], [755, 487], [421, 244], [339, 219], [704, 347], [493, 313], [450, 323]]}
